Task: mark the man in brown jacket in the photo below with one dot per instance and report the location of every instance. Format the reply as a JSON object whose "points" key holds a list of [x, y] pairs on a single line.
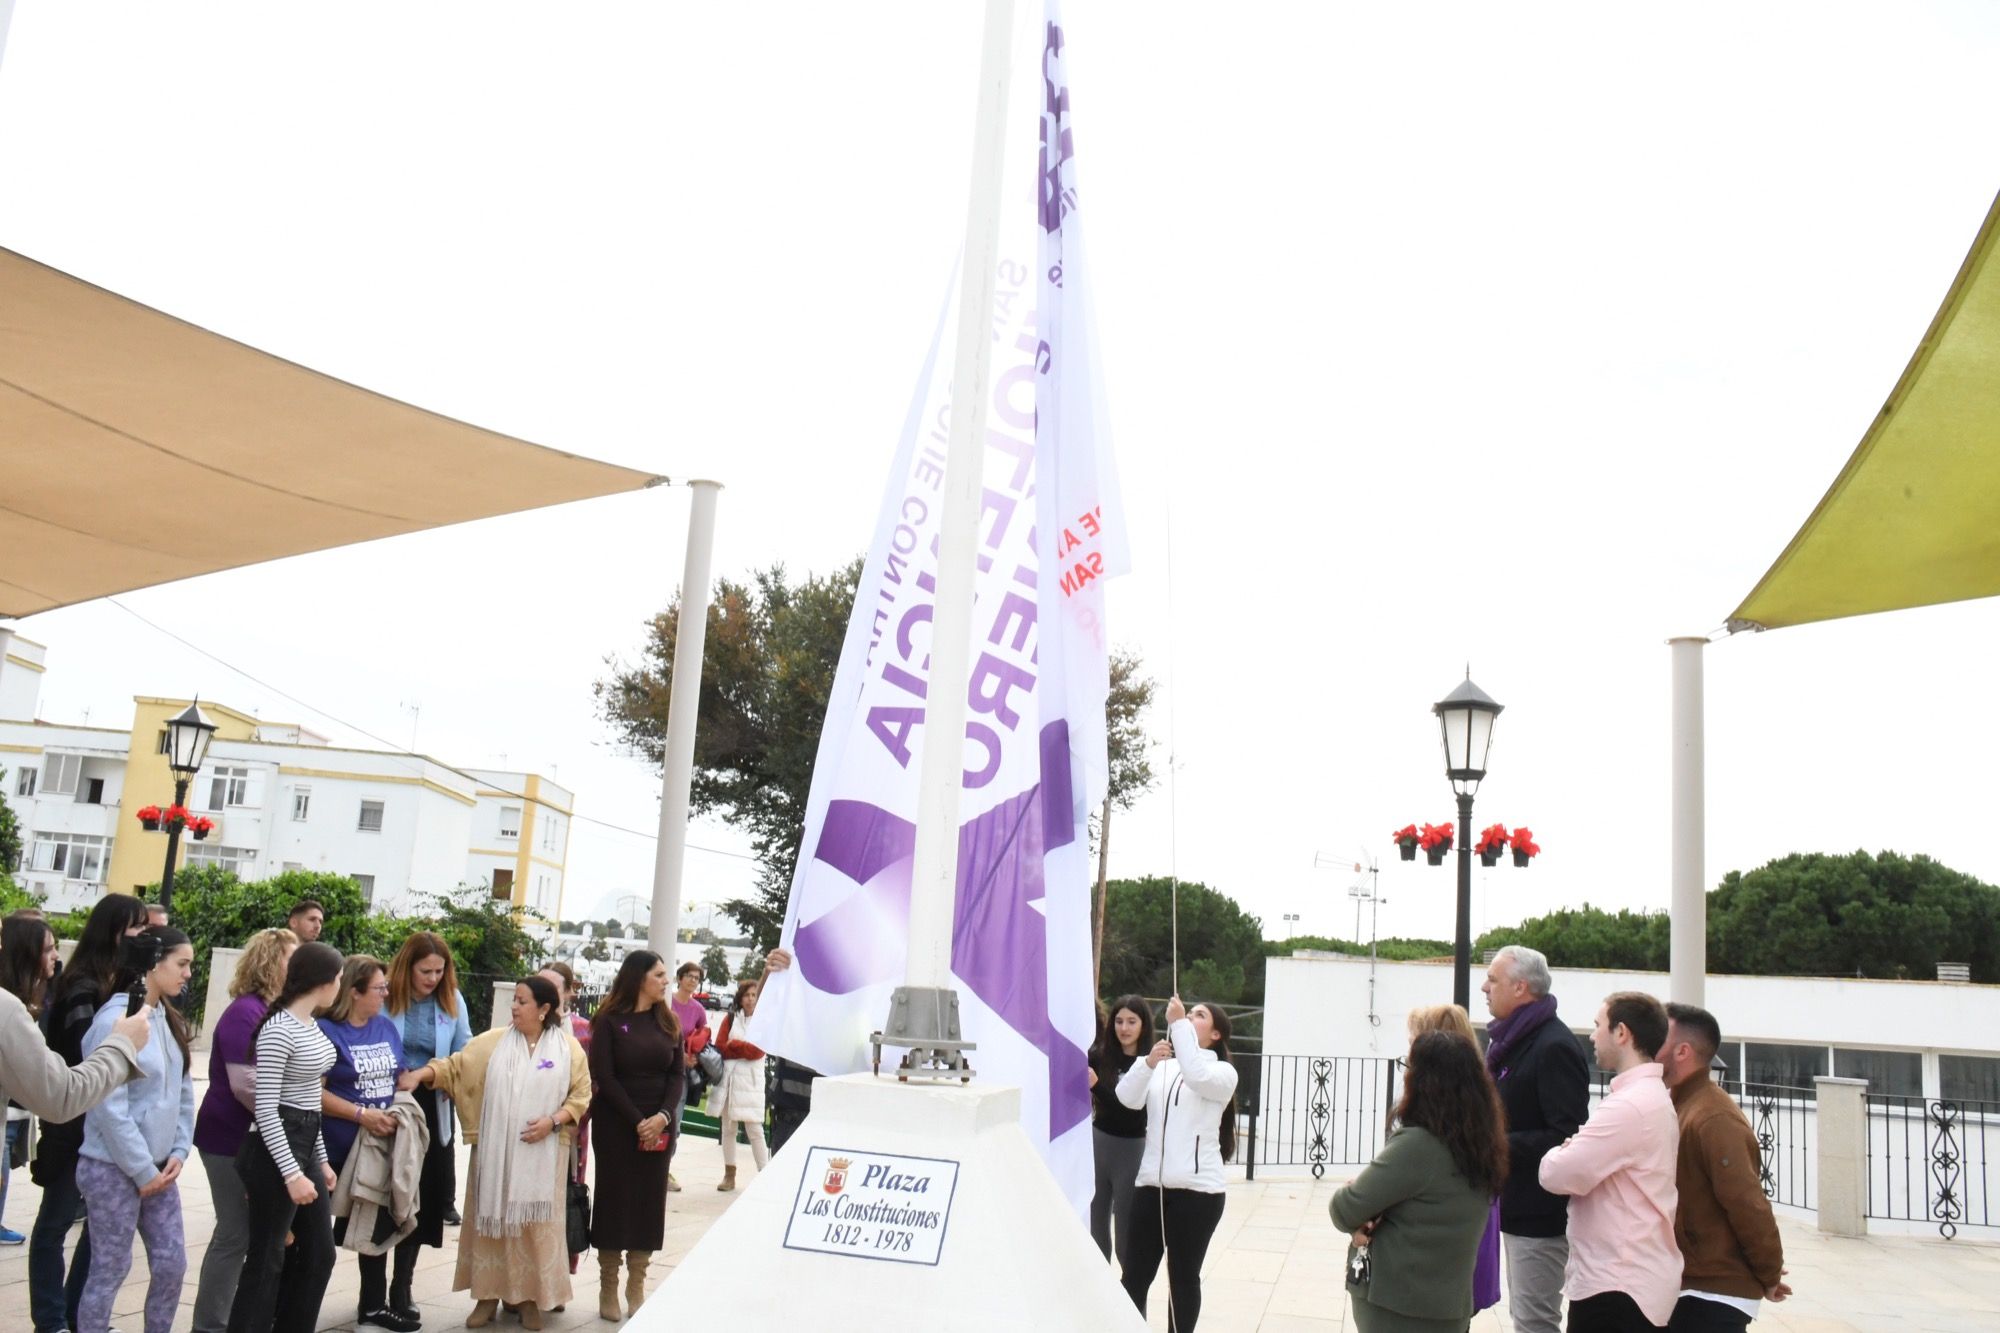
{"points": [[1730, 1252]]}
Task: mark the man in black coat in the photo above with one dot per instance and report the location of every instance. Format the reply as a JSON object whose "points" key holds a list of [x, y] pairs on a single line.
{"points": [[1545, 1089]]}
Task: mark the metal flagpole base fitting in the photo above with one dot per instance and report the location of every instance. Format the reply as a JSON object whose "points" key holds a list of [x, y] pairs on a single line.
{"points": [[925, 1020]]}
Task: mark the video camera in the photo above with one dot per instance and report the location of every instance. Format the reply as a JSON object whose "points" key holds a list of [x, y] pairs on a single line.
{"points": [[139, 954]]}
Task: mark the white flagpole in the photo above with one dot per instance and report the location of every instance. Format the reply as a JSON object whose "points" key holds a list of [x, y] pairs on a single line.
{"points": [[934, 868], [677, 763]]}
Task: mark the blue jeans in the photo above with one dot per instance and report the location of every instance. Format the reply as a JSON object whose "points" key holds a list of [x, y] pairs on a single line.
{"points": [[51, 1300], [15, 1128]]}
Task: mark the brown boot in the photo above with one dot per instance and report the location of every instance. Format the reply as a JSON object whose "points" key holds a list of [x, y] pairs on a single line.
{"points": [[531, 1316], [636, 1263], [482, 1314], [728, 1180], [607, 1286]]}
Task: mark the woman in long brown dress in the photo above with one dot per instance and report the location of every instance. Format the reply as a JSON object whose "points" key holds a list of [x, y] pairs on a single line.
{"points": [[635, 1061]]}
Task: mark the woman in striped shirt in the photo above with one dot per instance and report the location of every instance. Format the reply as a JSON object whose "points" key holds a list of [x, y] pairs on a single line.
{"points": [[283, 1161]]}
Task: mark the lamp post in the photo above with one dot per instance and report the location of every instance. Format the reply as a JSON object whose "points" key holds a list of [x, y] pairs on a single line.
{"points": [[1465, 717], [188, 736]]}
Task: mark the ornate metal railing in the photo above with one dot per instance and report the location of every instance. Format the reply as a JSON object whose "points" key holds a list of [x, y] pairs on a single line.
{"points": [[1928, 1161], [1313, 1111], [1783, 1121]]}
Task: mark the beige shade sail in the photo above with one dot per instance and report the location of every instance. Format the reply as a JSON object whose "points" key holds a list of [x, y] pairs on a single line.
{"points": [[136, 449], [1914, 517]]}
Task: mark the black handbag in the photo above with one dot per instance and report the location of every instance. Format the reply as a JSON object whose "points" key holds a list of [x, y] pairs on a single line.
{"points": [[577, 1217]]}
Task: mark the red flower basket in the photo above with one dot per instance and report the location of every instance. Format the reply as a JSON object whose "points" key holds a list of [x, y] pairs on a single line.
{"points": [[149, 817], [200, 827], [1525, 846], [1492, 842], [1436, 841], [1406, 839]]}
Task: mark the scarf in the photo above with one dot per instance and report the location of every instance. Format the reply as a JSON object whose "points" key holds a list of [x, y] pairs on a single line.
{"points": [[517, 1181], [1504, 1034]]}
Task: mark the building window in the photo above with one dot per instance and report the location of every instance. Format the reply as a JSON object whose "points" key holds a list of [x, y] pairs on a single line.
{"points": [[164, 742], [290, 866], [90, 791], [59, 773], [1777, 1064], [228, 786], [1969, 1078], [371, 817], [367, 883], [76, 856], [238, 861], [510, 821], [24, 781], [1899, 1073], [503, 886], [301, 803]]}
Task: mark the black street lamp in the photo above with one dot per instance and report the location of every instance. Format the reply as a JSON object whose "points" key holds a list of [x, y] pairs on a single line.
{"points": [[188, 736], [1465, 717]]}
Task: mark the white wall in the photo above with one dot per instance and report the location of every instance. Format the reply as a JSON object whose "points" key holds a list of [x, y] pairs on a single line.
{"points": [[1319, 1005]]}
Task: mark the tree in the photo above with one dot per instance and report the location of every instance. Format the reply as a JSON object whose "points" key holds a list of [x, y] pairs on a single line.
{"points": [[614, 929], [1808, 914], [1395, 949], [1130, 777], [596, 951], [773, 647], [1221, 946], [715, 966], [10, 840]]}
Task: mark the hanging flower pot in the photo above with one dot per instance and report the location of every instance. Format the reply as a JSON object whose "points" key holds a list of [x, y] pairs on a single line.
{"points": [[200, 827], [149, 818], [1436, 841], [1525, 846], [1406, 841], [1490, 857], [1492, 842]]}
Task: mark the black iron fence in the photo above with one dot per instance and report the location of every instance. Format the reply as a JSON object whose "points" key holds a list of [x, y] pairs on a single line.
{"points": [[1929, 1161], [1313, 1110], [1784, 1121]]}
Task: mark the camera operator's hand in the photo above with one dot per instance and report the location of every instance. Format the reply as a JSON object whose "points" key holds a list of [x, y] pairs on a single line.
{"points": [[136, 1028]]}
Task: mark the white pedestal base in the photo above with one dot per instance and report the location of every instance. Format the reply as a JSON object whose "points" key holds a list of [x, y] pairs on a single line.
{"points": [[1010, 1253]]}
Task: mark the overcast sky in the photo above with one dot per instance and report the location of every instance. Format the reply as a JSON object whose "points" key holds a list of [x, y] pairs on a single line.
{"points": [[1519, 335]]}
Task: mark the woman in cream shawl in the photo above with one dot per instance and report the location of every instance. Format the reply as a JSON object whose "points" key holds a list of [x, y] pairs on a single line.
{"points": [[520, 1091]]}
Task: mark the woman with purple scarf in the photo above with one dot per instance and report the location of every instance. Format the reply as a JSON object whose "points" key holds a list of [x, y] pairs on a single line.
{"points": [[1545, 1090]]}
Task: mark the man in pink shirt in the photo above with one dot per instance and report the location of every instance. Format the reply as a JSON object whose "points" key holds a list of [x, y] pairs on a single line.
{"points": [[1624, 1267]]}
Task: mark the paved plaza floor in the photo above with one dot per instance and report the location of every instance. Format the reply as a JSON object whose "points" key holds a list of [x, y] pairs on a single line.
{"points": [[1274, 1267]]}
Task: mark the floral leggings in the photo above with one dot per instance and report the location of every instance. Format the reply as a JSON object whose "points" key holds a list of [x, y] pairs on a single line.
{"points": [[116, 1212]]}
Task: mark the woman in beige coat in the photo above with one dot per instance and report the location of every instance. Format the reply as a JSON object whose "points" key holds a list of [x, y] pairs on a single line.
{"points": [[520, 1091]]}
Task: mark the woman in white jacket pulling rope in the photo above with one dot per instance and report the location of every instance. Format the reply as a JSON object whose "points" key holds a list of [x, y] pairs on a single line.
{"points": [[1187, 1087]]}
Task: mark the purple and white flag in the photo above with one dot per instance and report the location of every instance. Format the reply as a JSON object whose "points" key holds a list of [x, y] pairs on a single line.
{"points": [[1051, 533]]}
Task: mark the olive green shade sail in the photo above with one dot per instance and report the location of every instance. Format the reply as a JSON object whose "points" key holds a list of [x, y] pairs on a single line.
{"points": [[1913, 519]]}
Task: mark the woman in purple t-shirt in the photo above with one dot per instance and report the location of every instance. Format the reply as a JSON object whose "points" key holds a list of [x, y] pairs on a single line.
{"points": [[691, 1014], [224, 1118], [367, 1057]]}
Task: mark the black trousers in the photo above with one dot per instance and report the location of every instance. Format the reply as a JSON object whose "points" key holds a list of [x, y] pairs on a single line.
{"points": [[1191, 1218], [1694, 1315], [1608, 1312], [276, 1295]]}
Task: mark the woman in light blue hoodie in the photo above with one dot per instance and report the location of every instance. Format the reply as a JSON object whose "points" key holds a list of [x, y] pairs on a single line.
{"points": [[135, 1144]]}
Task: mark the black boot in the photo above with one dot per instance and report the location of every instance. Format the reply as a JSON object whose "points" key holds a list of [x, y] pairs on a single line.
{"points": [[400, 1299]]}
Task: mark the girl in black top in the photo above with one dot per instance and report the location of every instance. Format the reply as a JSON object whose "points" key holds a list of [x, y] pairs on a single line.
{"points": [[1118, 1133]]}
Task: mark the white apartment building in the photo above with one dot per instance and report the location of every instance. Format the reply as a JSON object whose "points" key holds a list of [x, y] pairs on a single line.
{"points": [[282, 798]]}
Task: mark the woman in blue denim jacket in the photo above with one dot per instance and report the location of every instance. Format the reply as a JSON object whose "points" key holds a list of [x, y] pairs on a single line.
{"points": [[134, 1145], [429, 1012]]}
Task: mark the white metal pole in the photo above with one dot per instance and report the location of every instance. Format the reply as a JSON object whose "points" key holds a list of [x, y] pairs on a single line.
{"points": [[1688, 922], [934, 868], [677, 764]]}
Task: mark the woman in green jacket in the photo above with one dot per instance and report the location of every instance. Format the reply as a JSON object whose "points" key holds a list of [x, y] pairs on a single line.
{"points": [[1418, 1210]]}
